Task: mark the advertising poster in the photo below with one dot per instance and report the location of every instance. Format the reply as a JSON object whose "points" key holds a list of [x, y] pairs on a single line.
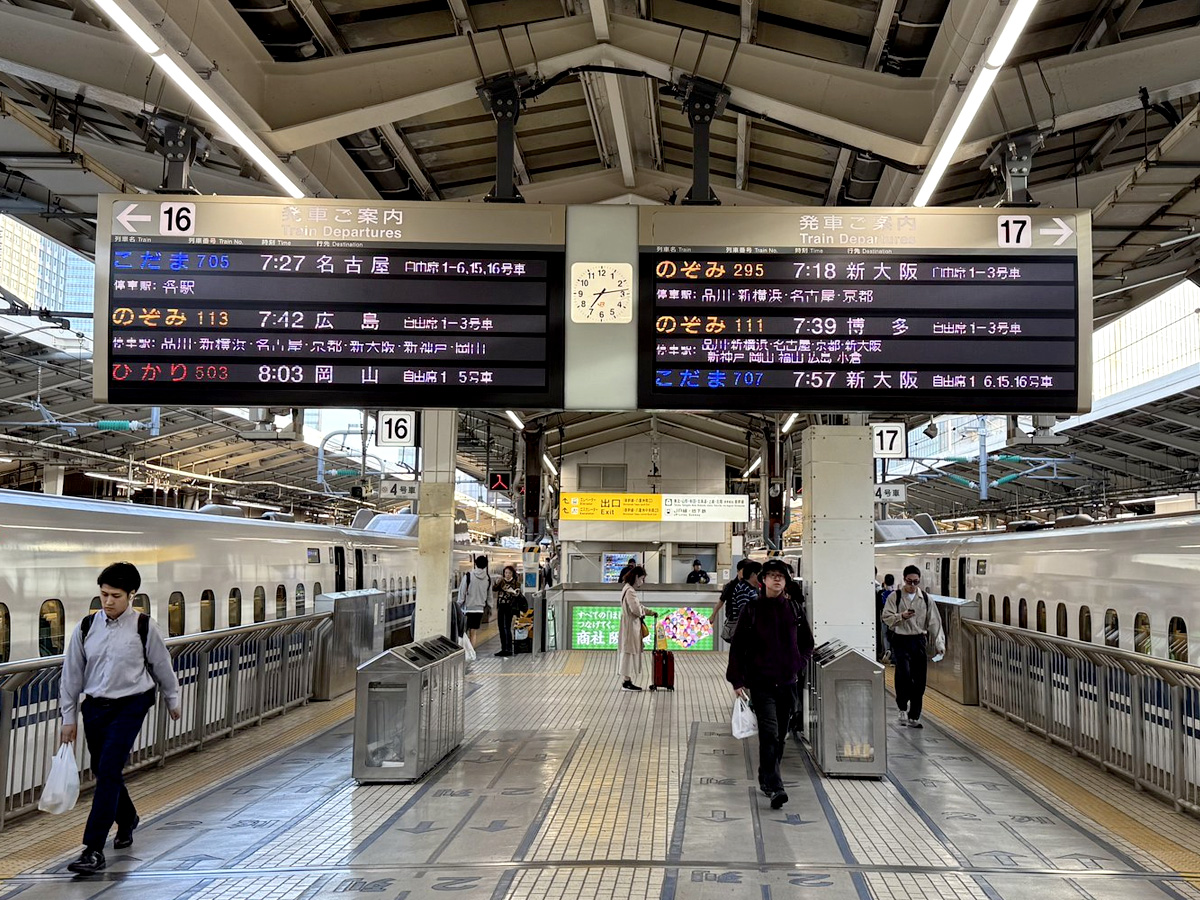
{"points": [[686, 627]]}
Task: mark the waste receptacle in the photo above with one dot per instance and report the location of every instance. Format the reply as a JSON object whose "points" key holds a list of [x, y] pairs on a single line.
{"points": [[356, 635], [408, 711], [847, 731]]}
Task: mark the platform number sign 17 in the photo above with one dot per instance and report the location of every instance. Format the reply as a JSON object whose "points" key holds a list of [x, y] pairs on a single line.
{"points": [[177, 218], [396, 429], [1014, 231], [889, 440]]}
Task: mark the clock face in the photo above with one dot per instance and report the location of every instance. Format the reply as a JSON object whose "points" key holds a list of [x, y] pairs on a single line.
{"points": [[602, 293]]}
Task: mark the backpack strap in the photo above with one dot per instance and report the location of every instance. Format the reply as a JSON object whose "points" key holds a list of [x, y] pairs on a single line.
{"points": [[143, 629]]}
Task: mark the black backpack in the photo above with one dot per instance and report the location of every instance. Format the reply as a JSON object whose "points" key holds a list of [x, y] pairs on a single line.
{"points": [[143, 628]]}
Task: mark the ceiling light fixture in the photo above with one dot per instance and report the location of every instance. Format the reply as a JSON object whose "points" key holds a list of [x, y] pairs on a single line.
{"points": [[516, 420], [1180, 240], [787, 426], [549, 464], [120, 479], [186, 79], [753, 467], [1009, 30]]}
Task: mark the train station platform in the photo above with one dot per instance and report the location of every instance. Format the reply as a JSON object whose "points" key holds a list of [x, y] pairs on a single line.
{"points": [[567, 787]]}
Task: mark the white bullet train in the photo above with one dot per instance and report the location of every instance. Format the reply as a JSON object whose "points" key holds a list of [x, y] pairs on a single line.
{"points": [[200, 572], [1132, 584]]}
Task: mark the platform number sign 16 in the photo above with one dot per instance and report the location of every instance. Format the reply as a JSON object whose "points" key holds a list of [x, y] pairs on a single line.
{"points": [[1014, 231], [889, 440], [396, 429], [177, 218]]}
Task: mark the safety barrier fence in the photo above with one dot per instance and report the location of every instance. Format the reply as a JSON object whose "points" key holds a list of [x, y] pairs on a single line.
{"points": [[228, 679], [1133, 715]]}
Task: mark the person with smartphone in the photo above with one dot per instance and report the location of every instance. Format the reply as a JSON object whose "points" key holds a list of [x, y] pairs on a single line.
{"points": [[913, 621]]}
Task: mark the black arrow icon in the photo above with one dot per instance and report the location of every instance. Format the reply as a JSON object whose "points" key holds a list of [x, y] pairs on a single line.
{"points": [[718, 817], [1003, 857], [794, 819], [1087, 860], [494, 825], [191, 862]]}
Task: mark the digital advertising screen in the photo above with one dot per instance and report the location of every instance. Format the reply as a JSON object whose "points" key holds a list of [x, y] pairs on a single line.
{"points": [[686, 628]]}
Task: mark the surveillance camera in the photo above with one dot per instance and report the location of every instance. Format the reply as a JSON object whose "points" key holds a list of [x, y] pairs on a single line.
{"points": [[931, 431]]}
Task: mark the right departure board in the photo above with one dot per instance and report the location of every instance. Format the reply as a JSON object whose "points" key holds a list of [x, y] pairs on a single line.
{"points": [[865, 309]]}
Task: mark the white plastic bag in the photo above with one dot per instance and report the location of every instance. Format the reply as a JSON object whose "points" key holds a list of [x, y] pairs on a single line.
{"points": [[62, 784], [465, 643], [745, 723]]}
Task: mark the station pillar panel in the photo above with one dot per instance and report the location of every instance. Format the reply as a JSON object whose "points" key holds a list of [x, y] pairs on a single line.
{"points": [[435, 537], [838, 544]]}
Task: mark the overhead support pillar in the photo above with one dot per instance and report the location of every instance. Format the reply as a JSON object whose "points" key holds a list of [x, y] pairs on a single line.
{"points": [[1013, 158], [535, 446], [502, 98], [703, 101], [182, 144], [435, 534], [772, 489], [838, 544]]}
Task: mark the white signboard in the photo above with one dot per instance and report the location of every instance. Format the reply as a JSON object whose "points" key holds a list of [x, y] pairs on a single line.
{"points": [[891, 493], [890, 440], [396, 429], [705, 507], [395, 489]]}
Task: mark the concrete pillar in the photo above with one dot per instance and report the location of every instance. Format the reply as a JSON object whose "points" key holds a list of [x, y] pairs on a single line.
{"points": [[839, 539], [435, 534]]}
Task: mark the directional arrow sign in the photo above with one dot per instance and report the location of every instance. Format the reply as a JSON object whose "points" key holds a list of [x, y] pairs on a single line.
{"points": [[1087, 860], [127, 218], [1003, 857], [794, 819], [1063, 231], [718, 817], [191, 862], [495, 825], [421, 828]]}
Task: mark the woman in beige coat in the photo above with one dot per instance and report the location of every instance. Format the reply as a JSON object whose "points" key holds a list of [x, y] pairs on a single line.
{"points": [[629, 641]]}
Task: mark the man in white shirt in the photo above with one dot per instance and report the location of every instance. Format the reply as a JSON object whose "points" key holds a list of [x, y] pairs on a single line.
{"points": [[116, 658], [914, 621]]}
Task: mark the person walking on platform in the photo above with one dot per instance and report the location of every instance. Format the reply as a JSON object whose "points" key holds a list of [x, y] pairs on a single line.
{"points": [[698, 575], [473, 592], [115, 659], [727, 591], [910, 614], [508, 598], [770, 647], [630, 636], [625, 569], [883, 643]]}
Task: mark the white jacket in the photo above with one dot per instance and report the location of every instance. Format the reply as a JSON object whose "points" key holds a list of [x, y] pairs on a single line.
{"points": [[474, 590]]}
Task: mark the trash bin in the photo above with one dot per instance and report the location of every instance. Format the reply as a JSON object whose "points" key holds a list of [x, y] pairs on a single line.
{"points": [[847, 731], [408, 711], [356, 635]]}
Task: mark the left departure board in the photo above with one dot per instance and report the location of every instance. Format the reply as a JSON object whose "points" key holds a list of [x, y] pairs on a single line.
{"points": [[265, 302]]}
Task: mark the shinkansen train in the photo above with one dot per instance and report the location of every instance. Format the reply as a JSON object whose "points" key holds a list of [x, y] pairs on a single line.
{"points": [[1132, 584], [200, 572]]}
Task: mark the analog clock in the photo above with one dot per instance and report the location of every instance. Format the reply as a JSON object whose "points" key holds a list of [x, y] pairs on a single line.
{"points": [[602, 292]]}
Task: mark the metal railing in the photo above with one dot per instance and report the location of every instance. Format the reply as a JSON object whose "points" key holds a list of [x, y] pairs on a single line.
{"points": [[228, 680], [1133, 715]]}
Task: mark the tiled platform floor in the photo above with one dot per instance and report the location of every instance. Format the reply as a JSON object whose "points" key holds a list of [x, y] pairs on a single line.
{"points": [[567, 787]]}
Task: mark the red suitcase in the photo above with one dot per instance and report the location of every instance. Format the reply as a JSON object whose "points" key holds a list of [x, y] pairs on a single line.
{"points": [[664, 671]]}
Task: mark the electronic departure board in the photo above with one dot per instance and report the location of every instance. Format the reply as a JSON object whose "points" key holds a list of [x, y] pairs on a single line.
{"points": [[865, 309], [266, 302]]}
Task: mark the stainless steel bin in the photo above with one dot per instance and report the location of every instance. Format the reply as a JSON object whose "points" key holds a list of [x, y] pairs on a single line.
{"points": [[957, 675], [409, 711], [356, 635], [847, 731]]}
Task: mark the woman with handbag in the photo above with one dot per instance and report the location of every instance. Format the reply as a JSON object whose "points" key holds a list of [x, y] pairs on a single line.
{"points": [[508, 599], [633, 629]]}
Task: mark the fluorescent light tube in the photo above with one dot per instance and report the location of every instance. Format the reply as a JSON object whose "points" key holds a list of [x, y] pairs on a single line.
{"points": [[1010, 30], [753, 466], [516, 420], [122, 20], [787, 426], [549, 464]]}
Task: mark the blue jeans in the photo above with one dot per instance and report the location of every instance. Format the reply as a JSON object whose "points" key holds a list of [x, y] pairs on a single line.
{"points": [[111, 727]]}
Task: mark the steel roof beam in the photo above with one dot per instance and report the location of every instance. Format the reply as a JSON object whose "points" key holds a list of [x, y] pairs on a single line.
{"points": [[1147, 434]]}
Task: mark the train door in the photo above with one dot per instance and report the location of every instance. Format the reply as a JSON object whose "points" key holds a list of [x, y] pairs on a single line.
{"points": [[962, 578], [945, 585], [339, 569], [359, 580]]}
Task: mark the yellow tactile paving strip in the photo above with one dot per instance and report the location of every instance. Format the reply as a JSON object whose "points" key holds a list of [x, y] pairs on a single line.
{"points": [[986, 731], [32, 840]]}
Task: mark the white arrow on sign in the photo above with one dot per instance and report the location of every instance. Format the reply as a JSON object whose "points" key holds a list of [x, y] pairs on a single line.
{"points": [[127, 218], [1063, 231]]}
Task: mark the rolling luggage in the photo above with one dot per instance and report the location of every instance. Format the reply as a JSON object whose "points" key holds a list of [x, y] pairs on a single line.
{"points": [[663, 662]]}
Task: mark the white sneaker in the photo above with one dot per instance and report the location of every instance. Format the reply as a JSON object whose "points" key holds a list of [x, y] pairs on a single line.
{"points": [[903, 720]]}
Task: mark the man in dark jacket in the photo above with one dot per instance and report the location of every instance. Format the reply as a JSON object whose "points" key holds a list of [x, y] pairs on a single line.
{"points": [[765, 659]]}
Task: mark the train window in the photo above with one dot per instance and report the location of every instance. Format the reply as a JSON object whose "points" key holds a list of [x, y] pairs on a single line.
{"points": [[141, 602], [260, 604], [175, 611], [300, 600], [1023, 614], [208, 611], [1141, 634], [392, 591], [95, 607], [1177, 645], [1041, 616], [1007, 611], [316, 589], [51, 629], [981, 567], [991, 607], [1060, 620], [235, 607], [375, 584], [1112, 628], [6, 634], [1085, 624], [281, 602]]}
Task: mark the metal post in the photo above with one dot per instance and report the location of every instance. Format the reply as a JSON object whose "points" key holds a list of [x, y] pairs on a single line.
{"points": [[1137, 734], [6, 711], [182, 145], [232, 694], [1075, 699], [703, 101], [502, 98], [1178, 759], [201, 700]]}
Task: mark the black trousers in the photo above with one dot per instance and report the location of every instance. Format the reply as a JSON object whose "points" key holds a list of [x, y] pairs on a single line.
{"points": [[111, 727], [908, 653], [506, 620], [773, 707]]}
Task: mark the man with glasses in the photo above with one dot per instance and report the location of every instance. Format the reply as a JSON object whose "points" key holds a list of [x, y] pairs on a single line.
{"points": [[913, 621]]}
